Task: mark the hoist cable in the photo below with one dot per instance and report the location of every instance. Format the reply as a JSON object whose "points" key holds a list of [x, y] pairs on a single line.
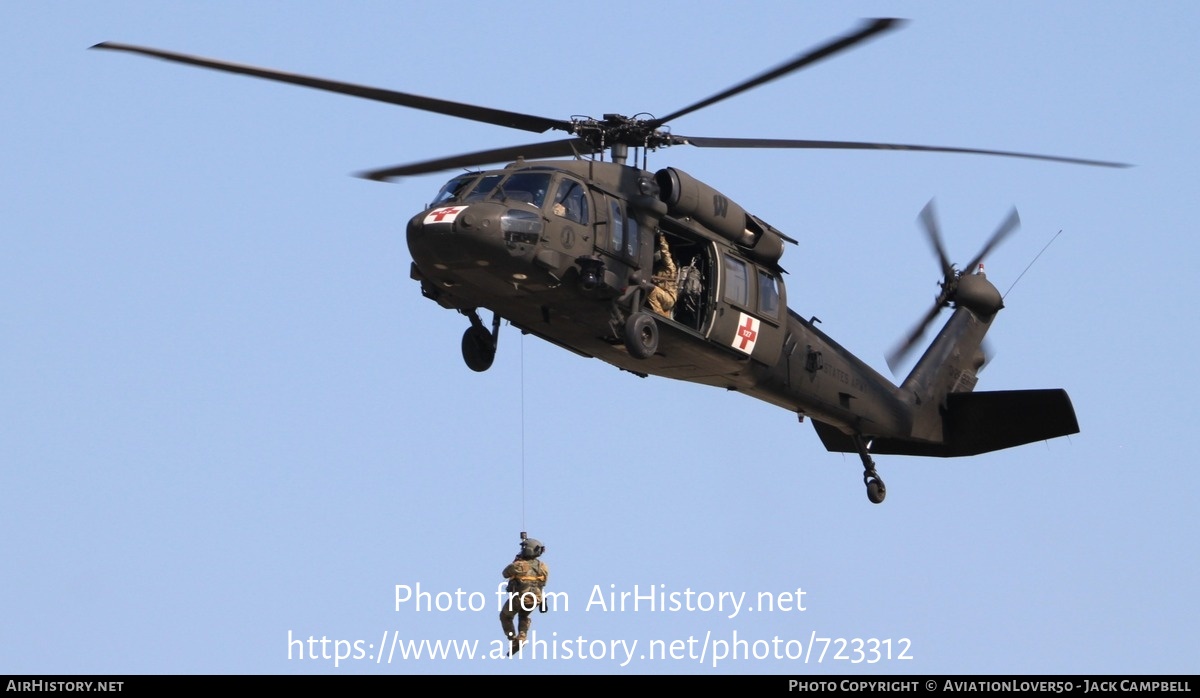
{"points": [[523, 432]]}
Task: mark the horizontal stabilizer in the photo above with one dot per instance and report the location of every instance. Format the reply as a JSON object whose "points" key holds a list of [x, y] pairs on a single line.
{"points": [[976, 423]]}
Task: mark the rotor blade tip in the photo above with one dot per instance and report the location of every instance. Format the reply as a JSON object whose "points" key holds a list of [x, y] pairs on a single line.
{"points": [[883, 24], [373, 176]]}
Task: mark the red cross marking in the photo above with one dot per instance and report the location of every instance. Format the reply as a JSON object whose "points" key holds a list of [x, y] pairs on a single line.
{"points": [[747, 333], [442, 213]]}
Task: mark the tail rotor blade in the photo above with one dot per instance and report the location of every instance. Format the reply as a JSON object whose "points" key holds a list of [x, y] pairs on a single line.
{"points": [[901, 351], [928, 218], [1006, 228], [988, 351]]}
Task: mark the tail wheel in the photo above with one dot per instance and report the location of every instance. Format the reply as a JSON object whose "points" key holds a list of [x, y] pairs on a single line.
{"points": [[876, 491]]}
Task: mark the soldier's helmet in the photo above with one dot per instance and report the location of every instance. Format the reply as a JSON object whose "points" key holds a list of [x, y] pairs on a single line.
{"points": [[531, 548]]}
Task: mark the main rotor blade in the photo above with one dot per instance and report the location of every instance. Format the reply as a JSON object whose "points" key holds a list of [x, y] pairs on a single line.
{"points": [[929, 219], [499, 117], [550, 149], [1006, 228], [704, 142], [869, 29]]}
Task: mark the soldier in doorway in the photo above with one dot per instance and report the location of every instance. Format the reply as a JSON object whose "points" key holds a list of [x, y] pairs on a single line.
{"points": [[665, 280]]}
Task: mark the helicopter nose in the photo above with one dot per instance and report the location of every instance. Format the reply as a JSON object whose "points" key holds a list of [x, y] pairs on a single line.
{"points": [[453, 236], [473, 235]]}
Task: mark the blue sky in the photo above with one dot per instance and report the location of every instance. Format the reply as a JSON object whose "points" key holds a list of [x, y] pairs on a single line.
{"points": [[229, 417]]}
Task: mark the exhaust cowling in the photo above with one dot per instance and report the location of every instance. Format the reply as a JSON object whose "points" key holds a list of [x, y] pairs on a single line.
{"points": [[686, 196]]}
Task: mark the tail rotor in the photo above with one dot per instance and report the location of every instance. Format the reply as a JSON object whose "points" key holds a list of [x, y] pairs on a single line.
{"points": [[957, 286]]}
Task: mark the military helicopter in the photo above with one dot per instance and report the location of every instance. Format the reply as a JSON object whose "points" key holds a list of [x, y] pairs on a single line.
{"points": [[566, 250]]}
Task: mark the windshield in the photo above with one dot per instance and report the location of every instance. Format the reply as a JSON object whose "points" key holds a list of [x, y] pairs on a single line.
{"points": [[453, 189], [529, 187], [480, 191]]}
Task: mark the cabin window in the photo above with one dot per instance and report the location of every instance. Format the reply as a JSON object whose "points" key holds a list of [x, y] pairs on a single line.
{"points": [[571, 201], [529, 187], [737, 282], [768, 295], [453, 189]]}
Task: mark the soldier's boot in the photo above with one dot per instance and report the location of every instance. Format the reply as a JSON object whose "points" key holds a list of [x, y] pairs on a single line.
{"points": [[515, 645], [506, 625]]}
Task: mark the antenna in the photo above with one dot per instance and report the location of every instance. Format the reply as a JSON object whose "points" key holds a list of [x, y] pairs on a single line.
{"points": [[1035, 258]]}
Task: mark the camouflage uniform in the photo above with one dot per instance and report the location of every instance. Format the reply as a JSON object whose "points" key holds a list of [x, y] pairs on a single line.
{"points": [[662, 296], [526, 577]]}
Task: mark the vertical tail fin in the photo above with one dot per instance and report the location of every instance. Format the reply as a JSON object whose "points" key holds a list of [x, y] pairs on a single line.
{"points": [[949, 366]]}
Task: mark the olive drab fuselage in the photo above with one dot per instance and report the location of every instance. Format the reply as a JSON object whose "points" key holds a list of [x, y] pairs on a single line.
{"points": [[518, 242], [565, 250]]}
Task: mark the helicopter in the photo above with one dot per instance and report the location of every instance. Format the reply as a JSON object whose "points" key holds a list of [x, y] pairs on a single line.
{"points": [[658, 273]]}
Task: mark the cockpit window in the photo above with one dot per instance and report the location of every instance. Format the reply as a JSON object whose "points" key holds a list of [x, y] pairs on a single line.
{"points": [[529, 187], [453, 189], [571, 202], [633, 238], [480, 191], [617, 224]]}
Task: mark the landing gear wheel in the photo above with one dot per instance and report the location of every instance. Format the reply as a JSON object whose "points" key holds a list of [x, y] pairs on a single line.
{"points": [[876, 491], [478, 348], [641, 335]]}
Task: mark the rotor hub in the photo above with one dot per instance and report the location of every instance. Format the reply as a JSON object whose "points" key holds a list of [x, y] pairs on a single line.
{"points": [[617, 129], [978, 295]]}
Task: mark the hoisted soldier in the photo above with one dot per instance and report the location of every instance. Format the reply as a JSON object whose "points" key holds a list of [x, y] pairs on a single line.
{"points": [[526, 577]]}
